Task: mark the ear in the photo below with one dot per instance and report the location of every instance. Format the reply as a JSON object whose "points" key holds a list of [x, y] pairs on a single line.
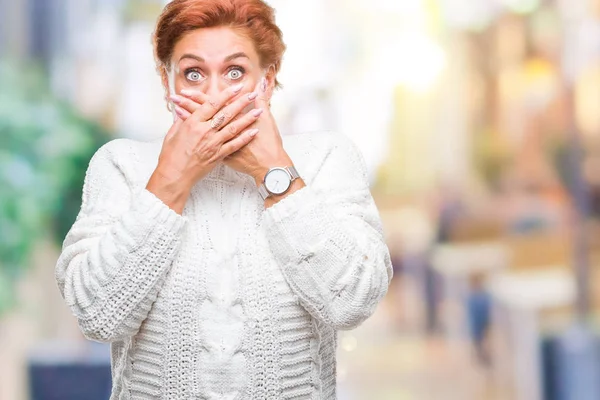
{"points": [[271, 74], [165, 82], [267, 92], [164, 78]]}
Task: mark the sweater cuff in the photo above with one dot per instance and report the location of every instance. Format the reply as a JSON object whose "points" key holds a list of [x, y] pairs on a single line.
{"points": [[290, 205], [155, 210]]}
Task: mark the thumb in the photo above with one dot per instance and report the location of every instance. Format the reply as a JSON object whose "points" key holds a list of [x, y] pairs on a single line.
{"points": [[174, 128]]}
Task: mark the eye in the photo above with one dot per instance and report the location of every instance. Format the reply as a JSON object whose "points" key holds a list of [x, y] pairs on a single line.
{"points": [[235, 73], [193, 75]]}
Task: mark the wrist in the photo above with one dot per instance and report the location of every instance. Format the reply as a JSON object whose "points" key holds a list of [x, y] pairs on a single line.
{"points": [[283, 161], [174, 193]]}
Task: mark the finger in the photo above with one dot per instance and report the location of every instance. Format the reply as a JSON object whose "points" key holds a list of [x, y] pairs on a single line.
{"points": [[174, 129], [237, 143], [181, 113], [197, 96], [232, 129], [231, 111], [187, 104], [213, 104]]}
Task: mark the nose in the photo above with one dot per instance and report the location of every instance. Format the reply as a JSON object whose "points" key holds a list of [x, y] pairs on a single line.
{"points": [[214, 87]]}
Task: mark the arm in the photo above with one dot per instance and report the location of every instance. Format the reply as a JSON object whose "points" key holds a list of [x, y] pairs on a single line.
{"points": [[116, 255], [327, 237]]}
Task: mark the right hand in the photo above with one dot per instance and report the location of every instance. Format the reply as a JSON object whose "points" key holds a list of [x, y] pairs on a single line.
{"points": [[192, 148]]}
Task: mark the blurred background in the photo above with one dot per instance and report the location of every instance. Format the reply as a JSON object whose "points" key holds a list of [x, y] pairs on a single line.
{"points": [[479, 121]]}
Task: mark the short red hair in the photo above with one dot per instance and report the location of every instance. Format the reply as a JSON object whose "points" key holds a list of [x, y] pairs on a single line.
{"points": [[253, 18]]}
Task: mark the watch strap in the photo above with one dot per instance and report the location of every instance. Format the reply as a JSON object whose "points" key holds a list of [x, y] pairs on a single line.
{"points": [[262, 190], [293, 172]]}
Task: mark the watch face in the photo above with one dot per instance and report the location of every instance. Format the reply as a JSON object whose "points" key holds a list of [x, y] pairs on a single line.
{"points": [[277, 181]]}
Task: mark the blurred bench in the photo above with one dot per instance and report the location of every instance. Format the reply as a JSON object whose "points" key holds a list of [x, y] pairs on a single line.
{"points": [[538, 251], [61, 371], [520, 301]]}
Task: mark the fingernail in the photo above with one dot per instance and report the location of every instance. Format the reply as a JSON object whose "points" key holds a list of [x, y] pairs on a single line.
{"points": [[252, 96], [263, 84], [175, 99], [186, 92], [237, 87], [252, 132], [257, 112], [179, 112]]}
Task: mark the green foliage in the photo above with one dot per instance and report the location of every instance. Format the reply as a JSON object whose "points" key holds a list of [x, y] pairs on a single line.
{"points": [[44, 151]]}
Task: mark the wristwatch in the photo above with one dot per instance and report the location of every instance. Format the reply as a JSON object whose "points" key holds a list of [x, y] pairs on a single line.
{"points": [[277, 181]]}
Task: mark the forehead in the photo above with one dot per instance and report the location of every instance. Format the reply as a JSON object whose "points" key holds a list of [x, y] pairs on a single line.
{"points": [[214, 44]]}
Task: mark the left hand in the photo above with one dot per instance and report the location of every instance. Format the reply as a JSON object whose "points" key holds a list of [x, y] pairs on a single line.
{"points": [[265, 151]]}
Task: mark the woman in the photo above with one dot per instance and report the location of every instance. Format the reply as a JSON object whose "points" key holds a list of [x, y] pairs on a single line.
{"points": [[214, 271]]}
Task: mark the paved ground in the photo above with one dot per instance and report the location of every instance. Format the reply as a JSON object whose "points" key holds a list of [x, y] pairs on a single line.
{"points": [[389, 358]]}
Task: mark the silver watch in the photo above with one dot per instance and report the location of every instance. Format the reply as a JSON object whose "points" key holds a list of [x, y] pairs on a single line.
{"points": [[277, 181]]}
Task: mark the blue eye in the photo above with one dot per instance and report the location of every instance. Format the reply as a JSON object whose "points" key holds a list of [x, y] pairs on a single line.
{"points": [[193, 76], [235, 73]]}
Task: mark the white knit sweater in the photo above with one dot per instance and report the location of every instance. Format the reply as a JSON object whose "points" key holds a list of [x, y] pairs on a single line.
{"points": [[229, 300]]}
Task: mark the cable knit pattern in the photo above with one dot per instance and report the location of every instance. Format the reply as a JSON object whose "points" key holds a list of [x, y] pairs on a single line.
{"points": [[228, 300]]}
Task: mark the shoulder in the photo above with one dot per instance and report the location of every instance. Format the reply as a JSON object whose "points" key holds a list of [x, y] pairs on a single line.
{"points": [[122, 150], [116, 170], [122, 153], [322, 151], [125, 158]]}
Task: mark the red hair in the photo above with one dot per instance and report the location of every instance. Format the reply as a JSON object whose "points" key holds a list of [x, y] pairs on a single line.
{"points": [[253, 18]]}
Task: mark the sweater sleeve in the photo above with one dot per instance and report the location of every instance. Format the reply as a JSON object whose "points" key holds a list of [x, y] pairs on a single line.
{"points": [[328, 240], [117, 253]]}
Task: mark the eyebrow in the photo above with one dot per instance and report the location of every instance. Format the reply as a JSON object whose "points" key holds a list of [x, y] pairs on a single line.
{"points": [[227, 59]]}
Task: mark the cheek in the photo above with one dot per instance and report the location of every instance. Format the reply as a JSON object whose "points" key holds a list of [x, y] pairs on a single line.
{"points": [[253, 79], [173, 85], [179, 85]]}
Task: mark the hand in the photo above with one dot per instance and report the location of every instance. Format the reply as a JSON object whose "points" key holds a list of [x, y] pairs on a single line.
{"points": [[193, 147], [265, 151]]}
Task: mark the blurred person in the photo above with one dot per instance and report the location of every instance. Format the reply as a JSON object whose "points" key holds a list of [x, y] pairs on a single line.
{"points": [[479, 305], [220, 261], [450, 210]]}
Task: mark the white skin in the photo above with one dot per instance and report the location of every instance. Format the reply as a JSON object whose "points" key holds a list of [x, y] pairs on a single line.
{"points": [[217, 75]]}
